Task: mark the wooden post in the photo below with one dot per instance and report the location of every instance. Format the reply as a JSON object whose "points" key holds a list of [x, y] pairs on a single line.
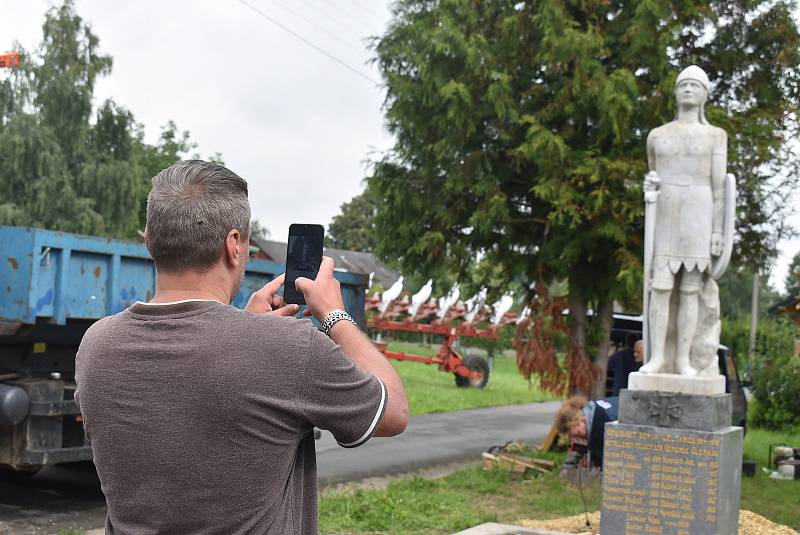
{"points": [[753, 315]]}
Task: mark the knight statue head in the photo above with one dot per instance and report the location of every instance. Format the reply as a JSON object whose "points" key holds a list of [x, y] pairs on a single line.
{"points": [[695, 74]]}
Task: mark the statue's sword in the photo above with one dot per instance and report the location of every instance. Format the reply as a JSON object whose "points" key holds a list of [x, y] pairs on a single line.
{"points": [[651, 182]]}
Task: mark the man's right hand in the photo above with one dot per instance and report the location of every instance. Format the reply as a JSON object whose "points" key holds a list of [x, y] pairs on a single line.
{"points": [[323, 294]]}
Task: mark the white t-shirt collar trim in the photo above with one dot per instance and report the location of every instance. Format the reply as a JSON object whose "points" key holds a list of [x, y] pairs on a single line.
{"points": [[178, 302]]}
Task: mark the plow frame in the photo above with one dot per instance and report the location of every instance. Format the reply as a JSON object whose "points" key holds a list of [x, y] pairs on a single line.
{"points": [[448, 359]]}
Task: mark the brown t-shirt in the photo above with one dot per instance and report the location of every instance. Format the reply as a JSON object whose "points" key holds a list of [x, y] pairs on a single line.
{"points": [[201, 415]]}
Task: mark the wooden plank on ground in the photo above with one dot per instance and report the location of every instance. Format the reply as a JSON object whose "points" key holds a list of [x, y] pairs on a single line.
{"points": [[516, 463]]}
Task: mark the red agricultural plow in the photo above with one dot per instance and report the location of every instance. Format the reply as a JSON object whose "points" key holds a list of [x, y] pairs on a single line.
{"points": [[452, 320], [471, 370]]}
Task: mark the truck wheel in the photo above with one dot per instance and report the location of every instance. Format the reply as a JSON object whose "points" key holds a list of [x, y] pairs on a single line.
{"points": [[475, 364], [16, 476]]}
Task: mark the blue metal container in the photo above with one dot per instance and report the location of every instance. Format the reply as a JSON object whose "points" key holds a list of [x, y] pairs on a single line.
{"points": [[55, 277], [53, 286]]}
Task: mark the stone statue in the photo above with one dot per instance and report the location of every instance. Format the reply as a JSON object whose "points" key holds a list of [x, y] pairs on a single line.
{"points": [[688, 234]]}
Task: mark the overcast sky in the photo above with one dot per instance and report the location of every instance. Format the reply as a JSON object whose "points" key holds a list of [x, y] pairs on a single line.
{"points": [[291, 121], [297, 125]]}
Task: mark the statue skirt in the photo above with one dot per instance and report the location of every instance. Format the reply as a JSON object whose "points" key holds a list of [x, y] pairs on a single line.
{"points": [[683, 226]]}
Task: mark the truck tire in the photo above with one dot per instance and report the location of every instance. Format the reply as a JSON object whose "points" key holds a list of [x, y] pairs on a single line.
{"points": [[475, 364], [17, 476]]}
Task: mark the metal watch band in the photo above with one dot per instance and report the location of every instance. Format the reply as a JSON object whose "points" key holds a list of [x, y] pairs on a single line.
{"points": [[335, 317]]}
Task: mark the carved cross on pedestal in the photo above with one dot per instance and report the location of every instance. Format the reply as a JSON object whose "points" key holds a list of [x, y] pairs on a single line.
{"points": [[664, 409]]}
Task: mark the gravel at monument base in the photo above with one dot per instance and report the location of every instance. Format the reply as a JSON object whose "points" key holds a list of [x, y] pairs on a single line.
{"points": [[749, 524]]}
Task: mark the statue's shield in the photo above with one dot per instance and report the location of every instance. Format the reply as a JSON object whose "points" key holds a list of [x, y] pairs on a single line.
{"points": [[720, 263]]}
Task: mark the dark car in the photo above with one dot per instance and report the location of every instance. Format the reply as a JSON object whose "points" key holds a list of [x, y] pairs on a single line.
{"points": [[625, 324]]}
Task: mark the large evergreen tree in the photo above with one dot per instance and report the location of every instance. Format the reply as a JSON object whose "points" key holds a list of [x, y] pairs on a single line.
{"points": [[520, 134], [353, 229]]}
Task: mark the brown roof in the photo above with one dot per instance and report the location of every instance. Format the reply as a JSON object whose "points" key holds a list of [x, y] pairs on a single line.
{"points": [[353, 261]]}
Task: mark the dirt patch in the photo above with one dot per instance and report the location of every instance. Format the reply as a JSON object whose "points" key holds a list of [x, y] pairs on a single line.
{"points": [[749, 524]]}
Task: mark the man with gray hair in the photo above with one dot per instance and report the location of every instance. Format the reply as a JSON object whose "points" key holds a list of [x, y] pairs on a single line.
{"points": [[201, 415]]}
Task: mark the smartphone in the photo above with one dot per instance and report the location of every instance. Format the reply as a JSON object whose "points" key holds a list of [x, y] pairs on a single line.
{"points": [[303, 257]]}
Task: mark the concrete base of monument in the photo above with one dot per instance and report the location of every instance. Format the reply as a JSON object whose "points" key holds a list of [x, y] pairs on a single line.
{"points": [[681, 384], [668, 481], [668, 409]]}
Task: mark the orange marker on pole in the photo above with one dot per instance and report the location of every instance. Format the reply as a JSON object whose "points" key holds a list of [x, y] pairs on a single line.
{"points": [[9, 59]]}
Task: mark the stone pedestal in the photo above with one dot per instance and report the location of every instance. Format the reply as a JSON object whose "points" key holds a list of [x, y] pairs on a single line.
{"points": [[680, 411], [668, 382], [672, 466]]}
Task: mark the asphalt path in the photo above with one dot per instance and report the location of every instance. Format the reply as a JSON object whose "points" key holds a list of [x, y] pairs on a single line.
{"points": [[434, 439], [65, 497]]}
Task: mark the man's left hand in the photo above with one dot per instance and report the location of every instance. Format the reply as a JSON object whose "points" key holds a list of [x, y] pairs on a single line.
{"points": [[265, 300]]}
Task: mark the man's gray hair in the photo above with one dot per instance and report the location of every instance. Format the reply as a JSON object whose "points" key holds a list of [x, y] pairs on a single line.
{"points": [[190, 210]]}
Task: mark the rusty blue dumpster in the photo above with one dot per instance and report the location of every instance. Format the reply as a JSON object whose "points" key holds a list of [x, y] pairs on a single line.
{"points": [[53, 286]]}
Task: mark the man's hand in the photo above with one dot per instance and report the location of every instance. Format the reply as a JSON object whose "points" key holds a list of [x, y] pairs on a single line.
{"points": [[264, 301], [323, 294], [716, 243]]}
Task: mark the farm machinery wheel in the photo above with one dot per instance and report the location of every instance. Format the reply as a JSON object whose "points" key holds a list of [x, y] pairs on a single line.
{"points": [[475, 364]]}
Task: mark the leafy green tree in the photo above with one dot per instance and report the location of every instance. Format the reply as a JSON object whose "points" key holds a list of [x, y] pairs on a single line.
{"points": [[172, 146], [62, 165], [258, 230], [109, 174], [33, 171], [793, 277], [520, 134], [736, 294], [64, 80], [353, 228]]}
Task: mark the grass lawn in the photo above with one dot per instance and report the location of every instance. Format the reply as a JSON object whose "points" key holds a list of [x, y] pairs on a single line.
{"points": [[430, 390], [472, 496], [778, 501], [461, 500]]}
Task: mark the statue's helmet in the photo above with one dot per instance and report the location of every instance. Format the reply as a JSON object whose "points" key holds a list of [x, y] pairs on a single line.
{"points": [[693, 72]]}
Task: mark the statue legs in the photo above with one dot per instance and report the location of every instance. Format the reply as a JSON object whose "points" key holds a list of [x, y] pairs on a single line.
{"points": [[691, 282], [687, 325], [658, 320]]}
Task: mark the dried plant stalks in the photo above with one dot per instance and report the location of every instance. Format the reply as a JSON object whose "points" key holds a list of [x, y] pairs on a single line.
{"points": [[536, 344]]}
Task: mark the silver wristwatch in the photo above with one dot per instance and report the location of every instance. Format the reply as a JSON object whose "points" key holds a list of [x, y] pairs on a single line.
{"points": [[335, 317]]}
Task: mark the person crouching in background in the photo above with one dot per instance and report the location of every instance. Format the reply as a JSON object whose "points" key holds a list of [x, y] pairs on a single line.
{"points": [[583, 421]]}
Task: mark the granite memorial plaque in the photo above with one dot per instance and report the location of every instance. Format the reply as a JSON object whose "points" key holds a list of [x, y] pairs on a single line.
{"points": [[667, 481]]}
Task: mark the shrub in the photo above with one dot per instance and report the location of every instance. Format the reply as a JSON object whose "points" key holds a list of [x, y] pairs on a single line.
{"points": [[775, 373], [773, 337]]}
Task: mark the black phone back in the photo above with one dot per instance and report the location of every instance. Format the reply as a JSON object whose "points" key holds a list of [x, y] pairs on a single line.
{"points": [[303, 257]]}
